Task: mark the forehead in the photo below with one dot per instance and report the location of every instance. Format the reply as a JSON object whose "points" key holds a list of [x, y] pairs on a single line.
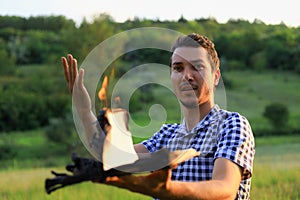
{"points": [[190, 54]]}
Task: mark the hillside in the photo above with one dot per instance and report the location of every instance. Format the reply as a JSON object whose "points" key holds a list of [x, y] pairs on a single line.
{"points": [[252, 91]]}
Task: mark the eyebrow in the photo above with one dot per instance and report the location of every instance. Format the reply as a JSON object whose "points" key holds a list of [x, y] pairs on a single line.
{"points": [[196, 61], [176, 63], [191, 62]]}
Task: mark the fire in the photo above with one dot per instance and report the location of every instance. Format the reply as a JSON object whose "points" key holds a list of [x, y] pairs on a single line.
{"points": [[103, 93]]}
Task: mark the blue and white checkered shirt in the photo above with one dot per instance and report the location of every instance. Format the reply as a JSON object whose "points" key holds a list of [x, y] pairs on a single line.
{"points": [[221, 134]]}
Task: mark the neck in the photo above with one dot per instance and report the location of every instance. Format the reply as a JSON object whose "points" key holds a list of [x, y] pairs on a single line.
{"points": [[194, 115]]}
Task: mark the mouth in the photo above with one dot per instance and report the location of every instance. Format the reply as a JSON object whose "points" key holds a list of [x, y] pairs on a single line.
{"points": [[188, 87]]}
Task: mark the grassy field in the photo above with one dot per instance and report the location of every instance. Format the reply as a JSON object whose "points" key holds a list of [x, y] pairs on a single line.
{"points": [[252, 91], [276, 176], [276, 168], [30, 156]]}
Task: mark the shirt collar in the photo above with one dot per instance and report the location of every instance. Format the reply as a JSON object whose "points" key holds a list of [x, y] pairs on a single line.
{"points": [[208, 119]]}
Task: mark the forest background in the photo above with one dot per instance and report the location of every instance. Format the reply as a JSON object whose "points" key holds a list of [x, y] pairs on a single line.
{"points": [[260, 67]]}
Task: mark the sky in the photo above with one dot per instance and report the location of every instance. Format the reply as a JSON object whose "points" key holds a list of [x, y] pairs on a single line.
{"points": [[268, 11]]}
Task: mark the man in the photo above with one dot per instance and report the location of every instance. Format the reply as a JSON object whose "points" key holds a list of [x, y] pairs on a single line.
{"points": [[225, 138]]}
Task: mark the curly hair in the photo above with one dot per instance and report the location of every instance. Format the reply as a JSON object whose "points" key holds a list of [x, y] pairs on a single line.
{"points": [[196, 40]]}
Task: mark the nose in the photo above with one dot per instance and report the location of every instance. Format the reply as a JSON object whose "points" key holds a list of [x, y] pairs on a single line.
{"points": [[188, 74]]}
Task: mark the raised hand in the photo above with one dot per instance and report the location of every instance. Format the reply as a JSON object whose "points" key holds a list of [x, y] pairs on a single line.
{"points": [[75, 84], [71, 70]]}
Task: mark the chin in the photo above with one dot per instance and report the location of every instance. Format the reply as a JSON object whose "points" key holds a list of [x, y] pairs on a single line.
{"points": [[190, 104]]}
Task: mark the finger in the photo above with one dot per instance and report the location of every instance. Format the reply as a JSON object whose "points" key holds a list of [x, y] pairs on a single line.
{"points": [[70, 58], [75, 69], [70, 62], [66, 69], [58, 174], [70, 168], [80, 77]]}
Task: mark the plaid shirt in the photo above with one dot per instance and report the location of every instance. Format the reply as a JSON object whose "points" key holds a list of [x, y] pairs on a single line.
{"points": [[221, 134]]}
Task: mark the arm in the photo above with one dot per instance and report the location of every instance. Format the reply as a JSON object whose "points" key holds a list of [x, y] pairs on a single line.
{"points": [[140, 148], [224, 183], [80, 96], [82, 101]]}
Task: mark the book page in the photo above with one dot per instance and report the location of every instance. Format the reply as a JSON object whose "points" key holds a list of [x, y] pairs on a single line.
{"points": [[118, 147]]}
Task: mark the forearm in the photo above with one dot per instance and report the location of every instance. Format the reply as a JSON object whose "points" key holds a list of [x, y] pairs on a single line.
{"points": [[89, 122], [176, 190], [94, 135], [213, 189]]}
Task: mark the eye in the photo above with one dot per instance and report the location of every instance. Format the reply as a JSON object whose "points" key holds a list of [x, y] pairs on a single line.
{"points": [[198, 66], [177, 68]]}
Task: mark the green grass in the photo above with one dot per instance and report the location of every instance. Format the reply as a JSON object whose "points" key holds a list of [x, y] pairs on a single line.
{"points": [[32, 149], [276, 165], [277, 140], [29, 184], [276, 176], [252, 91], [276, 168]]}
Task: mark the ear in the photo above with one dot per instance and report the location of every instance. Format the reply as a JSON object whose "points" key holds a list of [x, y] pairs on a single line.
{"points": [[217, 75]]}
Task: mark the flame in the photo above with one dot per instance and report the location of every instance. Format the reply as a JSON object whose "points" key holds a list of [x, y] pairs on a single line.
{"points": [[103, 91], [105, 82], [102, 94]]}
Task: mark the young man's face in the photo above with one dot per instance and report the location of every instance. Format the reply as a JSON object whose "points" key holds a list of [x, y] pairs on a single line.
{"points": [[192, 77]]}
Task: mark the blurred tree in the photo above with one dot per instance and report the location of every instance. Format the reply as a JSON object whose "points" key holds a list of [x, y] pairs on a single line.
{"points": [[278, 115], [279, 47], [49, 23], [41, 47], [12, 22], [61, 131], [7, 62]]}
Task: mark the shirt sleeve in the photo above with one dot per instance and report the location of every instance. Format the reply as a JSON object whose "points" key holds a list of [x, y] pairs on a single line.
{"points": [[236, 143]]}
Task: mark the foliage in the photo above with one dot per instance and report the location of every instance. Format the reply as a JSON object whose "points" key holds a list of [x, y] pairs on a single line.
{"points": [[7, 62], [29, 99], [59, 130], [6, 149], [43, 39], [20, 111], [38, 94], [277, 114], [49, 23]]}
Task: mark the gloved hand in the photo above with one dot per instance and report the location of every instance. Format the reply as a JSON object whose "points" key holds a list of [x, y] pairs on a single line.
{"points": [[83, 169]]}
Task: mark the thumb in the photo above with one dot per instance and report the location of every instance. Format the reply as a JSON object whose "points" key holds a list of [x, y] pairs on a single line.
{"points": [[80, 77]]}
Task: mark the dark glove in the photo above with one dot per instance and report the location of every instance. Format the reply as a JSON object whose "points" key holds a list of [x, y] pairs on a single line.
{"points": [[83, 169]]}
